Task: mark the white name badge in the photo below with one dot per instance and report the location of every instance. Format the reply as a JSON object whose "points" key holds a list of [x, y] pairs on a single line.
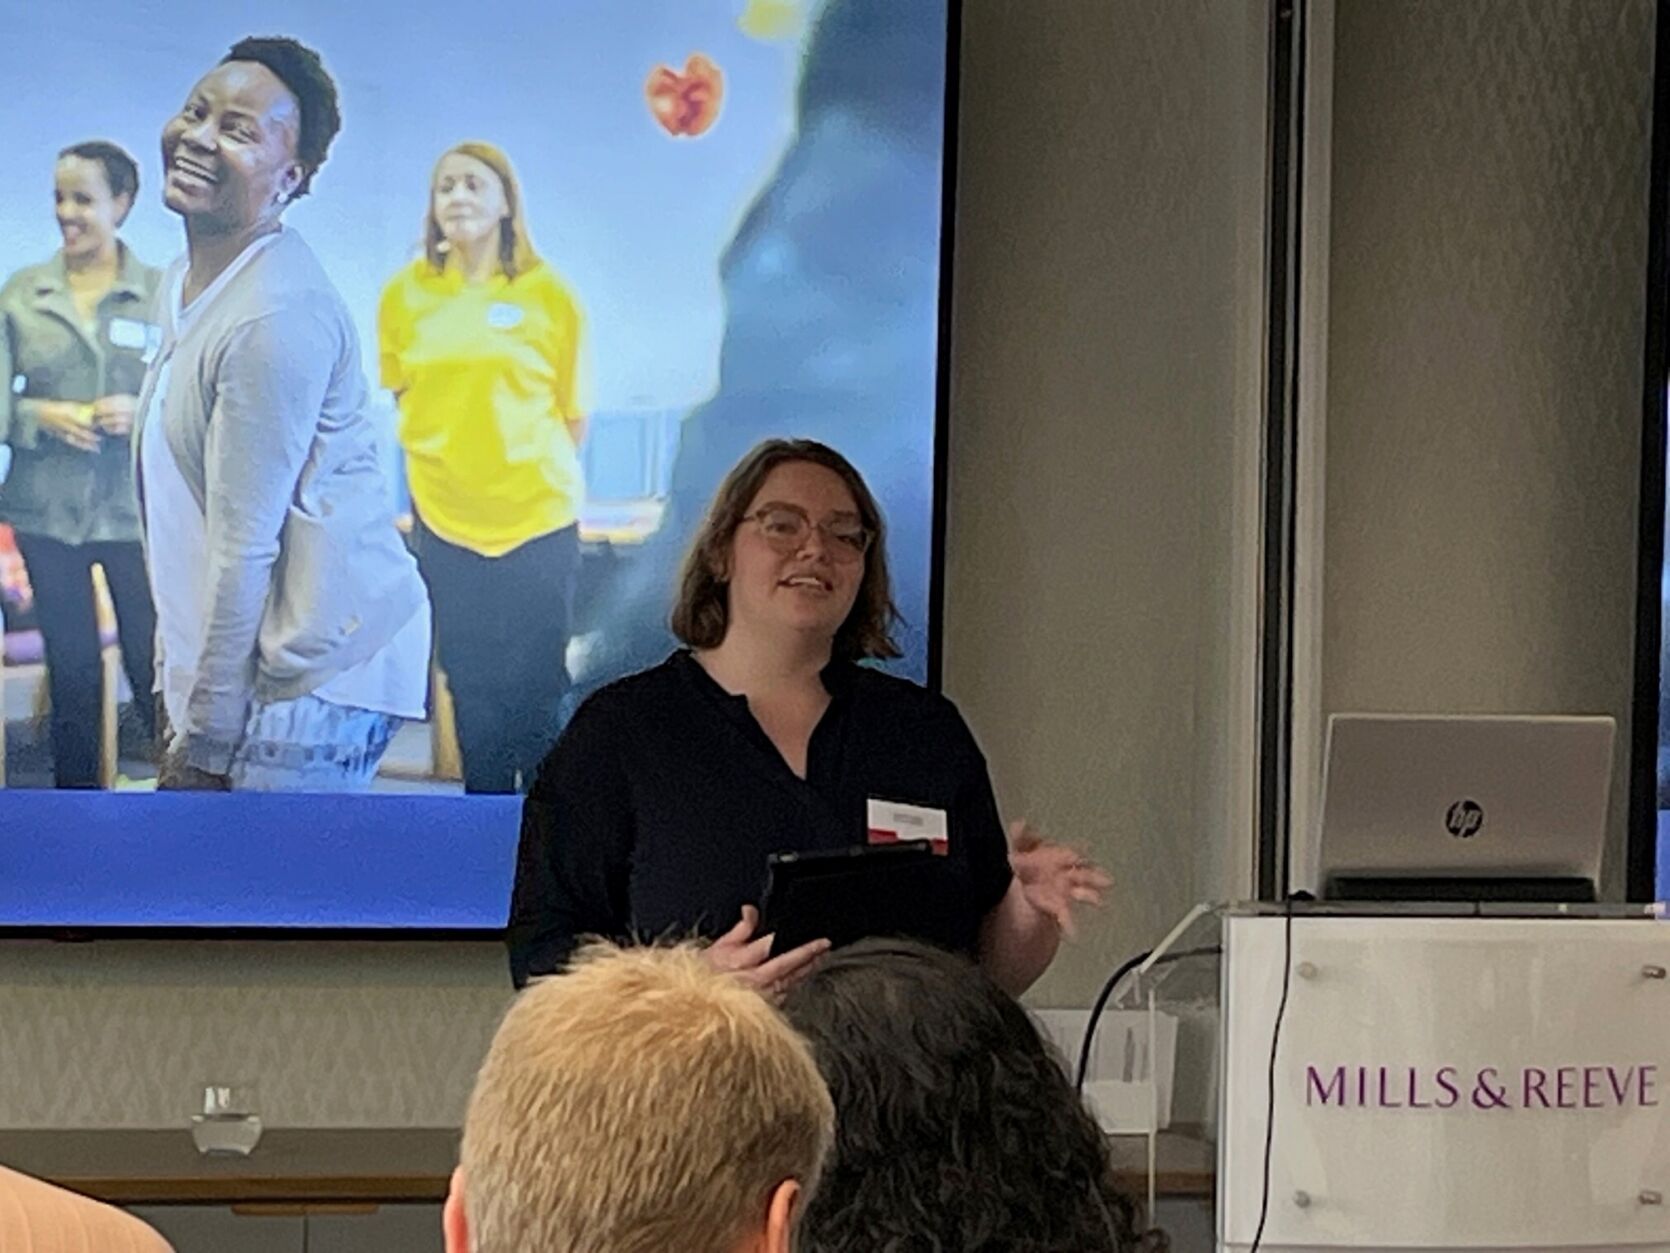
{"points": [[894, 822], [129, 333], [502, 316]]}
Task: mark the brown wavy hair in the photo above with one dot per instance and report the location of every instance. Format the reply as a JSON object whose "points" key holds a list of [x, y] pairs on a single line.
{"points": [[516, 251], [702, 614]]}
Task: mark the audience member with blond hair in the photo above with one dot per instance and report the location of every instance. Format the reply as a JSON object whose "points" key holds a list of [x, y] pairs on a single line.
{"points": [[642, 1102], [40, 1218]]}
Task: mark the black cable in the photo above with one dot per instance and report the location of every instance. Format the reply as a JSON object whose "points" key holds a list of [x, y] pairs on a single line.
{"points": [[1108, 988], [1100, 1003], [1275, 1042]]}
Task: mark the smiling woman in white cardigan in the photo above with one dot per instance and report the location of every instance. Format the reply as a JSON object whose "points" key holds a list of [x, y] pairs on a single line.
{"points": [[293, 628]]}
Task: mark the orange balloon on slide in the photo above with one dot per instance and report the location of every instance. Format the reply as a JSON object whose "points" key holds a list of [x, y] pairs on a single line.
{"points": [[686, 102]]}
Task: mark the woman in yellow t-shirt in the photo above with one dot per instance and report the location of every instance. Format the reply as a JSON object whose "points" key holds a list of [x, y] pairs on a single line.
{"points": [[479, 340]]}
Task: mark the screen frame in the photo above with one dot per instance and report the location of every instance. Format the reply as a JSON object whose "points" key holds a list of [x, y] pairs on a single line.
{"points": [[938, 514], [1641, 852]]}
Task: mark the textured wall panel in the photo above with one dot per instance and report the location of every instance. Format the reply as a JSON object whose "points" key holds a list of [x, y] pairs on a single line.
{"points": [[1488, 259], [1099, 306], [125, 1034]]}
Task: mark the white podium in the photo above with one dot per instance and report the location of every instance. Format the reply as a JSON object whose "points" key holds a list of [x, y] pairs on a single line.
{"points": [[1475, 1078]]}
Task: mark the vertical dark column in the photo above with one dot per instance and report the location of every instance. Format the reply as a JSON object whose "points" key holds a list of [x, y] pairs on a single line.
{"points": [[1285, 181]]}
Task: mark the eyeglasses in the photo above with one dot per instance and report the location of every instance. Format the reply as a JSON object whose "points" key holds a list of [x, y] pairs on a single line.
{"points": [[787, 528]]}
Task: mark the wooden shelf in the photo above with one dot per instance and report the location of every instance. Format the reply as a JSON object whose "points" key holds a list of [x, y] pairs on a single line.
{"points": [[379, 1166], [289, 1166], [1186, 1164]]}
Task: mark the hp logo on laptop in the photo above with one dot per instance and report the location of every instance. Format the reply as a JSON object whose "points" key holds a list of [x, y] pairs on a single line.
{"points": [[1463, 819]]}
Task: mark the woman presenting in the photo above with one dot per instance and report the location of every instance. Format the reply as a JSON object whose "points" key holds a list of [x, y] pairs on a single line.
{"points": [[478, 341], [74, 336], [656, 811]]}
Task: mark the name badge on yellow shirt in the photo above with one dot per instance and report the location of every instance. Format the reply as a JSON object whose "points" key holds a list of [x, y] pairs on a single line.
{"points": [[502, 316], [893, 822]]}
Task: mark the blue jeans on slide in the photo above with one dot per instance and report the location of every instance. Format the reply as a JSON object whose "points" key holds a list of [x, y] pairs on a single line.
{"points": [[311, 745]]}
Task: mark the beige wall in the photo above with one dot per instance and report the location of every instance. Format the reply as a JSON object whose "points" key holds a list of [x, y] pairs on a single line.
{"points": [[127, 1033], [1105, 337], [1104, 378], [1488, 258]]}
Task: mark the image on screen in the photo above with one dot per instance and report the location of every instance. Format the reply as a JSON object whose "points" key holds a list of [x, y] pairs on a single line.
{"points": [[432, 451]]}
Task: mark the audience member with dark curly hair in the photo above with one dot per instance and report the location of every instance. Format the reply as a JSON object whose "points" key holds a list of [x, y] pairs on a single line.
{"points": [[957, 1130]]}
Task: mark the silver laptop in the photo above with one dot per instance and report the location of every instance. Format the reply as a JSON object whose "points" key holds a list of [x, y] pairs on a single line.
{"points": [[1436, 798]]}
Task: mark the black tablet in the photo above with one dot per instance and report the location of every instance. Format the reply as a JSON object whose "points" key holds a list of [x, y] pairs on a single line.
{"points": [[846, 894]]}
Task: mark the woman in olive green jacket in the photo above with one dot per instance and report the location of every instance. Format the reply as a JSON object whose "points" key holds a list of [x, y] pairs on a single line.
{"points": [[75, 334]]}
